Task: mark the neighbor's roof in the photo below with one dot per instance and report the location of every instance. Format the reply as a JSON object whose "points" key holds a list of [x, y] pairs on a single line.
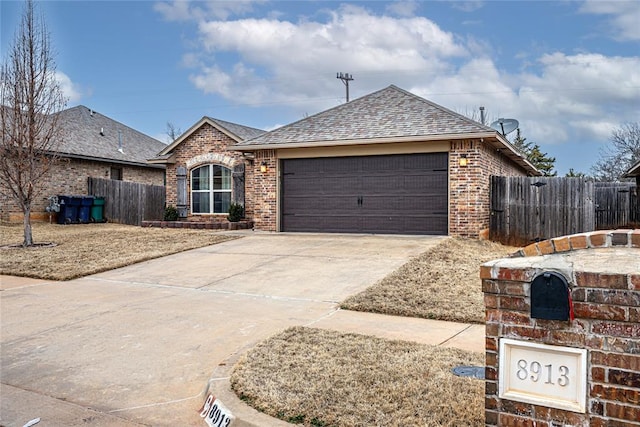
{"points": [[236, 132], [386, 116], [633, 170], [88, 134]]}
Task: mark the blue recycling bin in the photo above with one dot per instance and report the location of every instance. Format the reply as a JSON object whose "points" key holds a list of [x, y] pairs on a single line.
{"points": [[84, 211], [68, 209]]}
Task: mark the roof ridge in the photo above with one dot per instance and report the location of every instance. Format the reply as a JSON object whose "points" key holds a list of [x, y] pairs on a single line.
{"points": [[221, 122], [319, 113], [442, 108], [92, 111]]}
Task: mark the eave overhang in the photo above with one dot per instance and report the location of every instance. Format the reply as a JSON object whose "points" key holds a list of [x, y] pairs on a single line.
{"points": [[494, 139]]}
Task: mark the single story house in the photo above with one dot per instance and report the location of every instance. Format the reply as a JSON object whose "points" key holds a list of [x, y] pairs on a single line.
{"points": [[389, 162], [93, 145]]}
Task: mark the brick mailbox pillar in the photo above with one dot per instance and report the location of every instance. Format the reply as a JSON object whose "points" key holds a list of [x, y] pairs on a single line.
{"points": [[545, 371]]}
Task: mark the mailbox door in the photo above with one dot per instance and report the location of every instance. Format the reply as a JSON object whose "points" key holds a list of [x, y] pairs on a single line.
{"points": [[550, 297]]}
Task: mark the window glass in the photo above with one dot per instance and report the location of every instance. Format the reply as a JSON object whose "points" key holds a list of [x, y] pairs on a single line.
{"points": [[221, 178], [211, 189], [221, 202], [200, 179], [200, 202]]}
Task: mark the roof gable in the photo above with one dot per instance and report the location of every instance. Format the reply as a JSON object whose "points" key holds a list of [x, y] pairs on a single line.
{"points": [[89, 134], [387, 113], [234, 131]]}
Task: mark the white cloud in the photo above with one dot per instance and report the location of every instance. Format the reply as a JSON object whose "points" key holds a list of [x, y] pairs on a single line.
{"points": [[577, 97], [571, 98], [70, 90], [281, 60], [403, 7], [557, 98], [624, 16], [468, 6], [187, 10]]}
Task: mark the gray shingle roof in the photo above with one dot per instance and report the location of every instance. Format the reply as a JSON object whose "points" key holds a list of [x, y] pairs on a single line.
{"points": [[82, 137], [242, 132], [387, 113]]}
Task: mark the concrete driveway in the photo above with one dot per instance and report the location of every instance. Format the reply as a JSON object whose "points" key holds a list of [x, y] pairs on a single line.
{"points": [[137, 345]]}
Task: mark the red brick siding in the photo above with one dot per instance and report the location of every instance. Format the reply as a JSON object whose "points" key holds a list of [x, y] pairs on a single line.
{"points": [[264, 194], [206, 140], [70, 177], [606, 324], [469, 185]]}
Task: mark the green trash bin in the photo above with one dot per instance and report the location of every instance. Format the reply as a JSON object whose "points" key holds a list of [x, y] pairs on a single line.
{"points": [[97, 209]]}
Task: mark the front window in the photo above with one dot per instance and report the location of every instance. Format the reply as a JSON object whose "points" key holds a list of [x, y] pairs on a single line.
{"points": [[210, 189]]}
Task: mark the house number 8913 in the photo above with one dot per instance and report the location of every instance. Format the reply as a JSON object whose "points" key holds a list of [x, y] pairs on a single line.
{"points": [[535, 371]]}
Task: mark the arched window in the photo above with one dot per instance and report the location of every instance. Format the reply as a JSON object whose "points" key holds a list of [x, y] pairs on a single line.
{"points": [[210, 189]]}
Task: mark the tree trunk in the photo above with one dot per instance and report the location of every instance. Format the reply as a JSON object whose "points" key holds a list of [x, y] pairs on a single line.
{"points": [[28, 236]]}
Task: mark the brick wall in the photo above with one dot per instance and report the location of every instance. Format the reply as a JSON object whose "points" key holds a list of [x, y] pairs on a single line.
{"points": [[603, 270], [206, 145], [70, 177], [264, 194], [469, 186]]}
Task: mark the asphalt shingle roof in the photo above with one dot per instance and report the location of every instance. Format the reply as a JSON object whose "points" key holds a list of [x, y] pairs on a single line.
{"points": [[82, 137], [387, 113], [242, 132]]}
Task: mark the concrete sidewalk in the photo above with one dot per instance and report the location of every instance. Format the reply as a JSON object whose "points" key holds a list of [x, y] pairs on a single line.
{"points": [[139, 345]]}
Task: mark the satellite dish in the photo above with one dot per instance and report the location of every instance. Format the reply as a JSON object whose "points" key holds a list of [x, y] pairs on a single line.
{"points": [[505, 126]]}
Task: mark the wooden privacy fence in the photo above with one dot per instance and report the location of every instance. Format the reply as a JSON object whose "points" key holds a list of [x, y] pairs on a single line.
{"points": [[527, 209], [616, 205], [129, 202]]}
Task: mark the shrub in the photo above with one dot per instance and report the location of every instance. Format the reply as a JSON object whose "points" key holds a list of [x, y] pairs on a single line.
{"points": [[236, 212], [170, 213]]}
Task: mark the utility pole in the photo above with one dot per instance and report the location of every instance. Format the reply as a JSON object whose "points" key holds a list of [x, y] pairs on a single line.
{"points": [[346, 78]]}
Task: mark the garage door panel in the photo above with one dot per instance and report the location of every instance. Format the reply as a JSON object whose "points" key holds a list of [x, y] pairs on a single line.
{"points": [[322, 224], [324, 205], [432, 182], [404, 205], [398, 194]]}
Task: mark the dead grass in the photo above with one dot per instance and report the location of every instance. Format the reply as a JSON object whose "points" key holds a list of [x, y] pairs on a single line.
{"points": [[92, 248], [442, 283], [325, 378]]}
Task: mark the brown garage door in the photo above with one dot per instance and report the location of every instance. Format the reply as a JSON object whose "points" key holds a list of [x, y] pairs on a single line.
{"points": [[395, 194]]}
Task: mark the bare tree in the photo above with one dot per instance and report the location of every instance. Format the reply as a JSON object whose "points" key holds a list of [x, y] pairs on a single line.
{"points": [[621, 153], [173, 132], [30, 98]]}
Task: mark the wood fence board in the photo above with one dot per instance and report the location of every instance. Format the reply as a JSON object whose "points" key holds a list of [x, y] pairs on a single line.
{"points": [[529, 209], [129, 202]]}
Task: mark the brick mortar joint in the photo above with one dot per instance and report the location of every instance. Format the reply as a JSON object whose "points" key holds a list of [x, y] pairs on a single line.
{"points": [[579, 241]]}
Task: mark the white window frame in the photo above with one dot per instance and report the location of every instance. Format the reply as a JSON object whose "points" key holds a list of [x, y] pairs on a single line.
{"points": [[211, 191]]}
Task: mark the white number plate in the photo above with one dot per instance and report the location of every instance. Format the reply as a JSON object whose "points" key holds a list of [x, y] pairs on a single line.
{"points": [[215, 414], [542, 374]]}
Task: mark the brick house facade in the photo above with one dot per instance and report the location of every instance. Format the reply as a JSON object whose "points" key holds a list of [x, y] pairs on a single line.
{"points": [[93, 146], [207, 143], [383, 128]]}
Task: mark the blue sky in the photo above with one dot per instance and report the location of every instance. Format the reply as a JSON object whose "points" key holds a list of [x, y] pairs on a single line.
{"points": [[569, 71]]}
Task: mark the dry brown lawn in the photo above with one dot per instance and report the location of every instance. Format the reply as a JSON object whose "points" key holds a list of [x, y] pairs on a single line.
{"points": [[324, 378], [442, 283], [311, 376], [91, 248]]}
